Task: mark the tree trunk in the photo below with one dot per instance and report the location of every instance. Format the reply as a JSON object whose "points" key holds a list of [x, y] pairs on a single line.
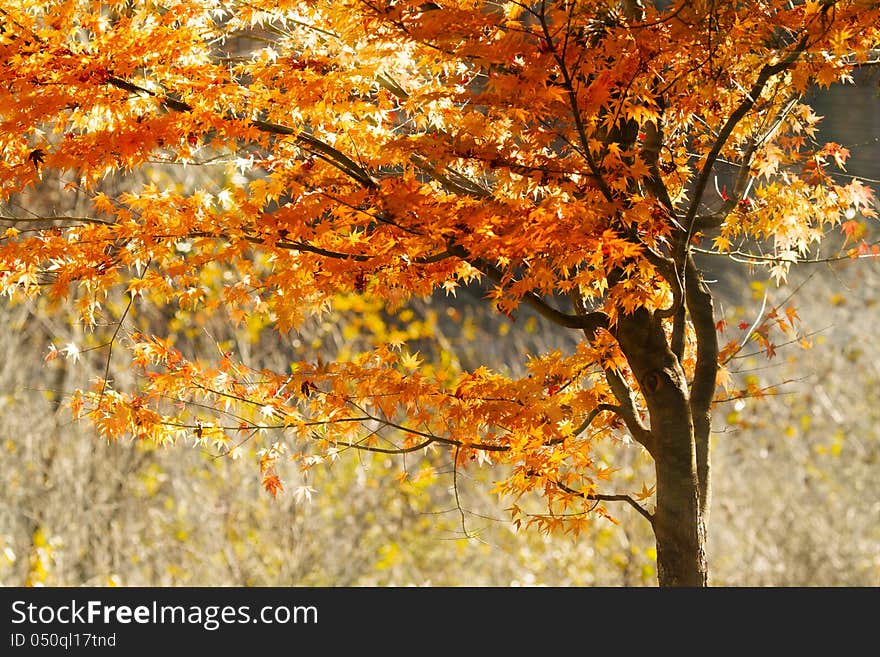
{"points": [[678, 524]]}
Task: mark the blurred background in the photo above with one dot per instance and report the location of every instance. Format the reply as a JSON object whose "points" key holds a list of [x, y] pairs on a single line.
{"points": [[796, 491]]}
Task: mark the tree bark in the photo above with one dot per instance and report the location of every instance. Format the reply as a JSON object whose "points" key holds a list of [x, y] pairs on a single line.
{"points": [[678, 525]]}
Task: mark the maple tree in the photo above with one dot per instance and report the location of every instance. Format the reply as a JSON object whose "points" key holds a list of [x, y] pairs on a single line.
{"points": [[565, 155]]}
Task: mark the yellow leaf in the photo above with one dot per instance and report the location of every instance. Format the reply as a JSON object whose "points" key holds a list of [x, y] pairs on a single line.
{"points": [[410, 361]]}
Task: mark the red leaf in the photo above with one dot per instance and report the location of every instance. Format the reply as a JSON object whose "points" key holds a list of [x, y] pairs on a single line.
{"points": [[272, 484], [852, 229]]}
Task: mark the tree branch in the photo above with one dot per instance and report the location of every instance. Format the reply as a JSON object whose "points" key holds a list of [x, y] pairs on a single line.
{"points": [[305, 141], [317, 250], [84, 220], [451, 179], [592, 415], [741, 184], [601, 497], [699, 304], [626, 408], [590, 322], [626, 398], [767, 72], [568, 85]]}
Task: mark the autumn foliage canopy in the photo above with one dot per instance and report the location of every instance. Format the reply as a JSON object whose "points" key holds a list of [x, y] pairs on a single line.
{"points": [[564, 156]]}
